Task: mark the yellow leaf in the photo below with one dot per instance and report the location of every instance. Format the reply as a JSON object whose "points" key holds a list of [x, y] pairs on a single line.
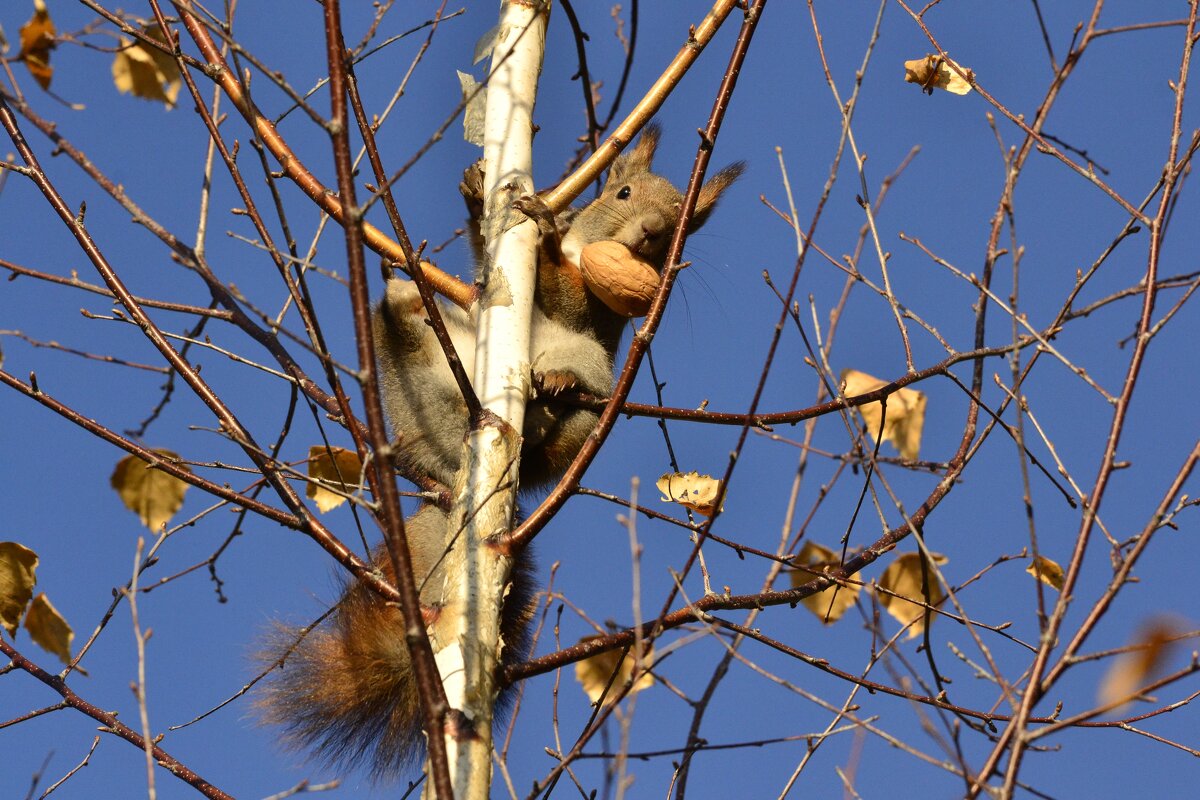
{"points": [[902, 579], [37, 40], [18, 574], [48, 628], [1047, 571], [905, 418], [145, 71], [692, 490], [152, 494], [594, 673], [831, 603], [1133, 670], [341, 470], [934, 72]]}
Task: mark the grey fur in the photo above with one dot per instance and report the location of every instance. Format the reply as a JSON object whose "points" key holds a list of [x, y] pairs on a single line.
{"points": [[426, 408]]}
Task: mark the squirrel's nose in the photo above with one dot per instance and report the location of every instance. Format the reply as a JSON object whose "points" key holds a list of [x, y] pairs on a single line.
{"points": [[651, 232]]}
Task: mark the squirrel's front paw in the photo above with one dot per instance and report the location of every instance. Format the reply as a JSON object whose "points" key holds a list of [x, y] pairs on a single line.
{"points": [[403, 298], [536, 209], [555, 381]]}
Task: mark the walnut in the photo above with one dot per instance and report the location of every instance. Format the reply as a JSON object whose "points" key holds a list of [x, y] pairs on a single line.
{"points": [[622, 281]]}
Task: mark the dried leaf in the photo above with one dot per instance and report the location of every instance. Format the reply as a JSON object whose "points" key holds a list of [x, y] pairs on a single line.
{"points": [[1153, 643], [902, 579], [145, 71], [1047, 571], [905, 419], [18, 574], [37, 40], [593, 673], [341, 469], [831, 603], [691, 490], [152, 494], [48, 628], [934, 72], [473, 115]]}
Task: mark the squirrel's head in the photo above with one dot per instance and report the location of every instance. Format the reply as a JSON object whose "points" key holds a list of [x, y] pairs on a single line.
{"points": [[639, 208]]}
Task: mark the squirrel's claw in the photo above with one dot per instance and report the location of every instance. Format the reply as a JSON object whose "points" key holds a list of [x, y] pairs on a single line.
{"points": [[555, 381]]}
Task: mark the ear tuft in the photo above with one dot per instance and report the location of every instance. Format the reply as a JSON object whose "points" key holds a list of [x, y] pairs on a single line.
{"points": [[712, 190], [639, 158]]}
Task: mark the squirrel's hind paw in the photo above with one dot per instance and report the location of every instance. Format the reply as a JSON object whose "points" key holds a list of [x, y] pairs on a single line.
{"points": [[471, 188], [555, 381]]}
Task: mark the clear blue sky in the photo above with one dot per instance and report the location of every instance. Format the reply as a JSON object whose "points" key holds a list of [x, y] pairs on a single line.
{"points": [[711, 347]]}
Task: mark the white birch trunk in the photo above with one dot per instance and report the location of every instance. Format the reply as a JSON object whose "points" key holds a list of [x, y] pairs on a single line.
{"points": [[485, 491]]}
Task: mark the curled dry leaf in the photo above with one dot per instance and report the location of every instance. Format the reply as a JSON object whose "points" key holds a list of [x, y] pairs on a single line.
{"points": [[593, 673], [905, 419], [934, 72], [341, 469], [37, 40], [18, 574], [902, 579], [621, 280], [150, 493], [831, 603], [1152, 645], [48, 628], [1047, 571], [691, 490], [145, 71], [473, 114]]}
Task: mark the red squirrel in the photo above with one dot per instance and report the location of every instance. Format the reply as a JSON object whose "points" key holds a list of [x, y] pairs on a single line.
{"points": [[346, 692]]}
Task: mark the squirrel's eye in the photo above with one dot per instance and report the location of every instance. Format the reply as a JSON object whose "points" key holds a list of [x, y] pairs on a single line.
{"points": [[624, 193]]}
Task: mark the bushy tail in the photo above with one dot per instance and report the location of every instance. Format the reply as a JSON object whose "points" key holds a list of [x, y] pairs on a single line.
{"points": [[346, 691]]}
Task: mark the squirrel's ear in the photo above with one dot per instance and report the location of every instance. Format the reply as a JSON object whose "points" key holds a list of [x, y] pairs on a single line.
{"points": [[639, 157], [712, 190]]}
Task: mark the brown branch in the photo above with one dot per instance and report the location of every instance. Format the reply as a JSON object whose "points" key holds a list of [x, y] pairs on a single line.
{"points": [[1033, 131], [430, 692], [447, 285], [224, 295], [113, 725], [229, 422], [83, 353], [584, 77], [149, 456], [698, 37], [641, 343], [763, 421], [1012, 735], [525, 532], [182, 308], [367, 130], [298, 291]]}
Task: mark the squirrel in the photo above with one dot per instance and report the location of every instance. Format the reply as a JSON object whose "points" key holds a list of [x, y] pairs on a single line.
{"points": [[574, 336], [346, 691]]}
